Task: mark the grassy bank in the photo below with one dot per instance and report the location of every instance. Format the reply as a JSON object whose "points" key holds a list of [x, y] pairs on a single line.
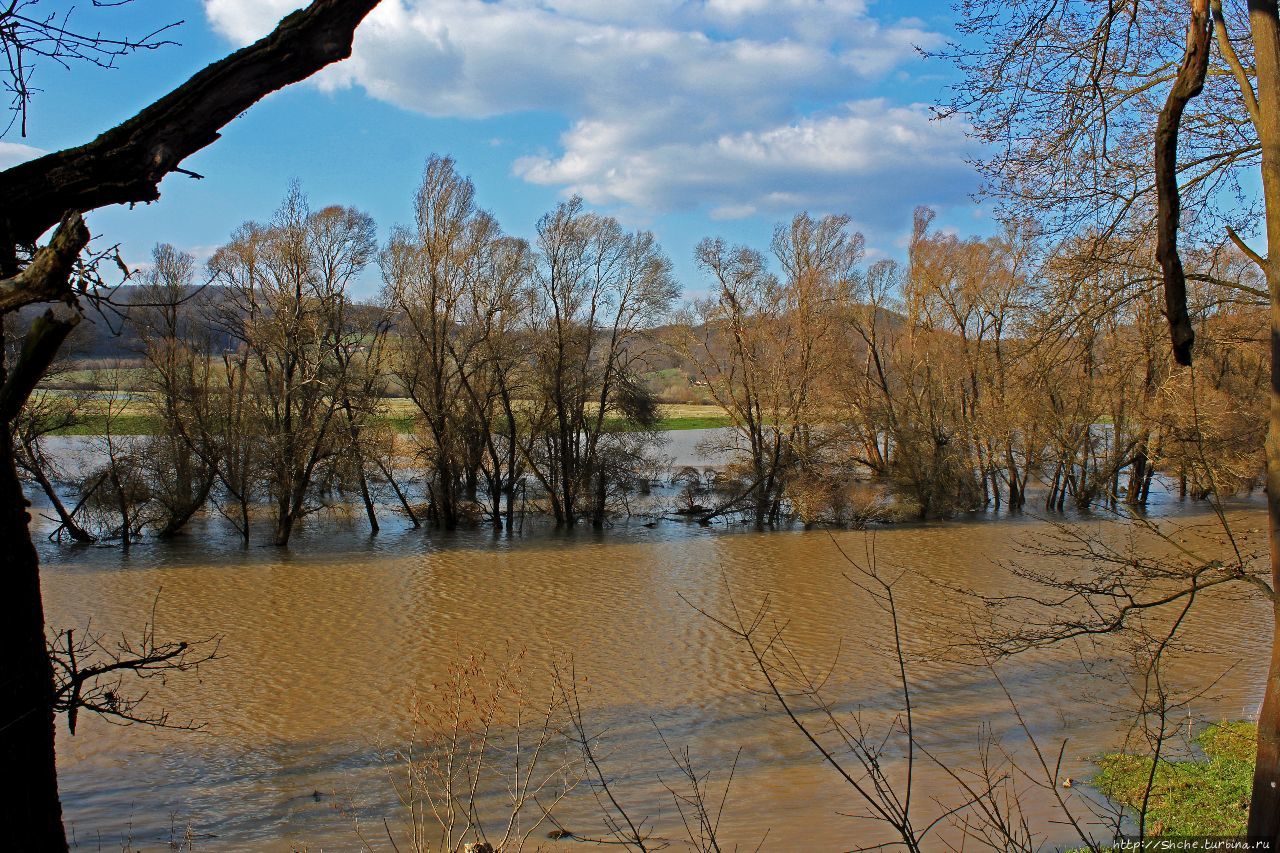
{"points": [[674, 424], [1208, 797], [137, 421], [127, 424]]}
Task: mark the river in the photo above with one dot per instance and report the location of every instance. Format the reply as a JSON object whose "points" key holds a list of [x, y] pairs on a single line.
{"points": [[324, 647]]}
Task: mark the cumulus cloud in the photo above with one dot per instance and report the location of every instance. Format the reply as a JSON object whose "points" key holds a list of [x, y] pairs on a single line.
{"points": [[867, 154], [13, 153], [741, 106]]}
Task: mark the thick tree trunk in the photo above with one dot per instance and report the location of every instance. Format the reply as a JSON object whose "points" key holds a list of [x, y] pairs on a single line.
{"points": [[602, 492], [179, 520], [1134, 494], [289, 507], [284, 530], [1189, 83], [1264, 808], [30, 814]]}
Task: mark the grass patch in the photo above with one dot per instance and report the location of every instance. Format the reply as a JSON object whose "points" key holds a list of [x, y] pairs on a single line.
{"points": [[402, 424], [141, 424], [120, 425], [670, 424], [665, 373], [695, 422], [1192, 797]]}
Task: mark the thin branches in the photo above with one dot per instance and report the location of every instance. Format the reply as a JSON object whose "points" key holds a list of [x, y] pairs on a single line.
{"points": [[93, 673]]}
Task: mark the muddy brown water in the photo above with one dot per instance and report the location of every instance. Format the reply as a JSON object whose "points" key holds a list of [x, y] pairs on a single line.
{"points": [[325, 645]]}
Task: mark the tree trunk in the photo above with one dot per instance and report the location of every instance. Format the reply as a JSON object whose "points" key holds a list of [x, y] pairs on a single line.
{"points": [[284, 529], [598, 512], [180, 519], [122, 503], [78, 533], [353, 432], [1134, 494], [1264, 809], [368, 501], [287, 511], [445, 494], [30, 814], [404, 501], [243, 503]]}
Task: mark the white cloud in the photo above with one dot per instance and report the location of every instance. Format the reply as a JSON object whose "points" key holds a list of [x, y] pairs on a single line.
{"points": [[13, 153], [864, 156], [743, 106], [243, 21]]}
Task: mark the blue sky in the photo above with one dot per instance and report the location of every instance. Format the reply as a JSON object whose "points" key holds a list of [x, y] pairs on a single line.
{"points": [[691, 118]]}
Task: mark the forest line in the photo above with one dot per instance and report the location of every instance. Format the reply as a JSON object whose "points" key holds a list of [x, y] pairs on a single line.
{"points": [[494, 376]]}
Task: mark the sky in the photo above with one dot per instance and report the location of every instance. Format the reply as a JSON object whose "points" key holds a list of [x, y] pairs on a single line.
{"points": [[690, 118]]}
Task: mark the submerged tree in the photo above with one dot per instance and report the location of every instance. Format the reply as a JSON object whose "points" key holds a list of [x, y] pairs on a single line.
{"points": [[180, 461], [766, 349], [288, 308], [430, 275], [596, 289]]}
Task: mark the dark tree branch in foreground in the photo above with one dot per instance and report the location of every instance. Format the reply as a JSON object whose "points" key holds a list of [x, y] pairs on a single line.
{"points": [[45, 279], [1189, 84], [91, 674], [38, 351], [126, 164], [1116, 587]]}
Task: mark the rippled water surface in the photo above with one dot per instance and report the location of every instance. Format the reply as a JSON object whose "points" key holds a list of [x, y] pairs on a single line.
{"points": [[325, 645]]}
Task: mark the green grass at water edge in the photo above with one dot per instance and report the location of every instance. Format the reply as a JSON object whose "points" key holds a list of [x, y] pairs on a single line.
{"points": [[1208, 797]]}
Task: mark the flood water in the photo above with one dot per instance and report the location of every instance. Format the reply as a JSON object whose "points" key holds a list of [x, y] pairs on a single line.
{"points": [[325, 646]]}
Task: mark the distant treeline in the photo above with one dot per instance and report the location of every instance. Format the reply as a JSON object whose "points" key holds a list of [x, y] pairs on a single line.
{"points": [[956, 381]]}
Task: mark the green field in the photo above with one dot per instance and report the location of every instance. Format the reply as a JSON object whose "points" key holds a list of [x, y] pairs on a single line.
{"points": [[135, 419]]}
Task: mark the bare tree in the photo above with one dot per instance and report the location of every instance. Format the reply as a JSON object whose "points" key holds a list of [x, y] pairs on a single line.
{"points": [[181, 463], [287, 307], [596, 288], [765, 349], [429, 277]]}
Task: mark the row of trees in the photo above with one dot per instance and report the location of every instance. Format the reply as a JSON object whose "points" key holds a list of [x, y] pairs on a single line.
{"points": [[959, 380], [271, 391], [976, 370]]}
